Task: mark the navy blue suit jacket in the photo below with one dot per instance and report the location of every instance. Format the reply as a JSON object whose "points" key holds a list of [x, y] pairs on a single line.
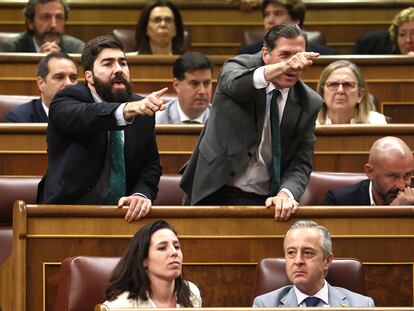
{"points": [[357, 194], [312, 47], [31, 112], [77, 138]]}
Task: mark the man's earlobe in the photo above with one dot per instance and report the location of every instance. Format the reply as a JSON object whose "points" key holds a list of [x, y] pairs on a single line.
{"points": [[368, 170], [88, 76]]}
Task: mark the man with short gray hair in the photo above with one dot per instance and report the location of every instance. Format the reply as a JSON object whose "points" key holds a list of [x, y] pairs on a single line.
{"points": [[308, 255]]}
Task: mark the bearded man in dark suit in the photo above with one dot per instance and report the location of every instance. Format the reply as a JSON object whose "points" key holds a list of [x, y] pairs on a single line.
{"points": [[101, 137], [246, 155]]}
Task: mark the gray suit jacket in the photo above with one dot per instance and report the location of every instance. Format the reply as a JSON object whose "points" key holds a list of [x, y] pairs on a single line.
{"points": [[234, 130], [23, 43], [171, 115], [338, 297]]}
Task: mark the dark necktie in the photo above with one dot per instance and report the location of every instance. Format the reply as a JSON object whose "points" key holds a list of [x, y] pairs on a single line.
{"points": [[275, 133], [191, 122], [312, 301], [117, 178]]}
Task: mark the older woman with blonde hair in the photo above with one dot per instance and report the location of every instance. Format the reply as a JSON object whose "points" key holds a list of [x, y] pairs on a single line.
{"points": [[401, 31], [346, 96]]}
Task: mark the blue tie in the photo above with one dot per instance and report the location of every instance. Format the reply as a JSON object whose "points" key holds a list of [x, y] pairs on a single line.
{"points": [[312, 301], [275, 133], [117, 178]]}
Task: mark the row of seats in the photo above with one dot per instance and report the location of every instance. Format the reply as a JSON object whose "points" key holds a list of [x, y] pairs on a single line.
{"points": [[127, 37], [82, 279], [15, 188]]}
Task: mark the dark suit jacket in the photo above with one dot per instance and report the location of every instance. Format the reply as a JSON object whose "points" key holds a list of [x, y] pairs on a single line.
{"points": [[234, 129], [312, 47], [357, 194], [77, 138], [31, 112], [374, 42], [24, 43]]}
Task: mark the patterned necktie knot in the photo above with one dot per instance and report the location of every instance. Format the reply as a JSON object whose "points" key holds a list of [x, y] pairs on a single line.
{"points": [[312, 301]]}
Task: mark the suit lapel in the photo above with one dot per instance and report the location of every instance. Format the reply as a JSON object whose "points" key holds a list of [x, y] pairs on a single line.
{"points": [[290, 116], [336, 298], [260, 110], [39, 113], [289, 300]]}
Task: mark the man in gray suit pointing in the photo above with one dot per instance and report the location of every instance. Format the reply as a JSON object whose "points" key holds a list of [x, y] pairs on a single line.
{"points": [[308, 255], [257, 146]]}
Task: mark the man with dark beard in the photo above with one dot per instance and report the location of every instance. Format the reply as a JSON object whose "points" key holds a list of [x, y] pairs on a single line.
{"points": [[389, 170], [45, 21], [101, 137]]}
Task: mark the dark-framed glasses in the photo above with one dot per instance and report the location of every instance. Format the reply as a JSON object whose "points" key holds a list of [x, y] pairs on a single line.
{"points": [[346, 85], [159, 19]]}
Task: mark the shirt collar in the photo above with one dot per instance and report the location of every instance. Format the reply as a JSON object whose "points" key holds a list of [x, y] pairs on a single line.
{"points": [[37, 47], [45, 108], [322, 294], [96, 98], [284, 91], [371, 195], [184, 117]]}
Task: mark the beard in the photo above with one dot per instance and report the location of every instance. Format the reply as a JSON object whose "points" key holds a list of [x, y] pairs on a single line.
{"points": [[50, 36], [108, 94]]}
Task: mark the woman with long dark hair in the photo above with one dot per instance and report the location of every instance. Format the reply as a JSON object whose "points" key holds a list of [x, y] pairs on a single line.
{"points": [[148, 275], [160, 29]]}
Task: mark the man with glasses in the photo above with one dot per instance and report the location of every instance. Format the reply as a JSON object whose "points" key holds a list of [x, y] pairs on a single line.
{"points": [[389, 169], [257, 146], [45, 20]]}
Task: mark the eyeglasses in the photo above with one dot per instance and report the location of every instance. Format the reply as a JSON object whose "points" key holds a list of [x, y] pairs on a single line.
{"points": [[346, 85], [159, 19]]}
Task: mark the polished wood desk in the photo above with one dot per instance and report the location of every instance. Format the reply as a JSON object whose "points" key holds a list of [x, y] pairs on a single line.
{"points": [[221, 247], [340, 148], [102, 307], [217, 26], [389, 78]]}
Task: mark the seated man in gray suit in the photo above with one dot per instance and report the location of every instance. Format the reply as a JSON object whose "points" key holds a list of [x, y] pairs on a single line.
{"points": [[45, 21], [54, 72], [389, 169], [308, 254], [192, 82]]}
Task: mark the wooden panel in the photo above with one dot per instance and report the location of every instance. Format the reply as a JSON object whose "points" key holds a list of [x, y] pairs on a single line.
{"points": [[223, 247], [340, 148], [214, 25], [399, 112]]}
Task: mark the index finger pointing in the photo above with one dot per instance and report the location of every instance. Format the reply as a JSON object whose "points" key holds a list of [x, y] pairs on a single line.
{"points": [[159, 93], [311, 55]]}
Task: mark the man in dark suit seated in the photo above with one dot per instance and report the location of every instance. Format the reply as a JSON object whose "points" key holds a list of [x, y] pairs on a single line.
{"points": [[277, 12], [389, 170], [257, 146], [45, 21], [101, 137], [54, 72], [308, 255]]}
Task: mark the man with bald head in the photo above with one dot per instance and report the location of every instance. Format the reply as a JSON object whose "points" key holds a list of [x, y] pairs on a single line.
{"points": [[389, 170]]}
